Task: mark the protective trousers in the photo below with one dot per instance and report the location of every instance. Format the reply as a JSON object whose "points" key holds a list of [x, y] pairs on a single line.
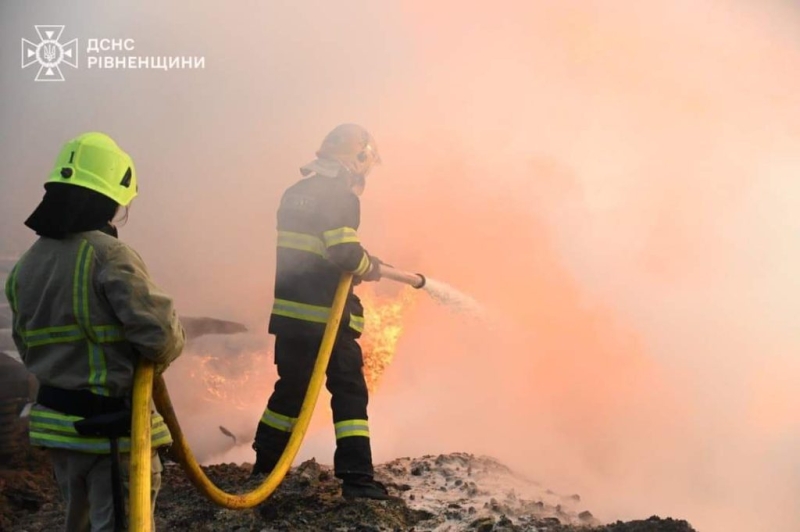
{"points": [[84, 480], [295, 357]]}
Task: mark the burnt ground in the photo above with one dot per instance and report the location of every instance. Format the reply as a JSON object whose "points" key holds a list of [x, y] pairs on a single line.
{"points": [[441, 493]]}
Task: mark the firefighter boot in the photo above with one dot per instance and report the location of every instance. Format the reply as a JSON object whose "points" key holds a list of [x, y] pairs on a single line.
{"points": [[263, 466], [268, 445], [365, 488]]}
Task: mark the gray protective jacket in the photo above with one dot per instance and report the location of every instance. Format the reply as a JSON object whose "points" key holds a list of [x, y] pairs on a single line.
{"points": [[84, 311]]}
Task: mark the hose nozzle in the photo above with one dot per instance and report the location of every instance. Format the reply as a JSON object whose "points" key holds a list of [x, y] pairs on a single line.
{"points": [[415, 280]]}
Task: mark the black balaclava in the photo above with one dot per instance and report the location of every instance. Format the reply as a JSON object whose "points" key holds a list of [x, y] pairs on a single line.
{"points": [[67, 209]]}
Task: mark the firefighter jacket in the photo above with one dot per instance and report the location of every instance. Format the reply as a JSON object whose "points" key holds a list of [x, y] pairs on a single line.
{"points": [[317, 222], [84, 310]]}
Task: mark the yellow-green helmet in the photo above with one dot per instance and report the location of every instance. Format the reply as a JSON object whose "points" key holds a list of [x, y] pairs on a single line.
{"points": [[94, 161]]}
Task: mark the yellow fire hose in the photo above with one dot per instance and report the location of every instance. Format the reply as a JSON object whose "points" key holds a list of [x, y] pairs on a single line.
{"points": [[140, 441], [145, 390], [140, 448]]}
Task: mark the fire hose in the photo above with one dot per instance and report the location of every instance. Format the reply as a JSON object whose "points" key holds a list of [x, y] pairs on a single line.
{"points": [[147, 389]]}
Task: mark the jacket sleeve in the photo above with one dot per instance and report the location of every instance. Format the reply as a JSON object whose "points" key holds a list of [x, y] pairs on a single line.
{"points": [[148, 317], [342, 244], [11, 296]]}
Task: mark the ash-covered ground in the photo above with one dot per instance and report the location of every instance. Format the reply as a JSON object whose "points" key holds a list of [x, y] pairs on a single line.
{"points": [[451, 492]]}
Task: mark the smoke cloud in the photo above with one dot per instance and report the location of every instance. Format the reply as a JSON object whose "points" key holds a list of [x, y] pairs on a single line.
{"points": [[615, 183]]}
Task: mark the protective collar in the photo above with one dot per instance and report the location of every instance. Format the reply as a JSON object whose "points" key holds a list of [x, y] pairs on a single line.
{"points": [[323, 167]]}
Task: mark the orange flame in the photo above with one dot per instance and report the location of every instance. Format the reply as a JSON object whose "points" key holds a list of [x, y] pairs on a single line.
{"points": [[235, 379], [230, 379], [383, 326]]}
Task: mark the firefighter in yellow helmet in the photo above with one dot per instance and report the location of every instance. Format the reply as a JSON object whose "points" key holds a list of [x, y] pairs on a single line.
{"points": [[84, 311], [318, 219]]}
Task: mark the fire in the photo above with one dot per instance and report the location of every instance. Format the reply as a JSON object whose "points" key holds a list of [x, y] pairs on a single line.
{"points": [[232, 379], [235, 378], [383, 326]]}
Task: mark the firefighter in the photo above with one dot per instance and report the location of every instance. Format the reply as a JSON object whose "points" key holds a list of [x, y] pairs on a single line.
{"points": [[317, 240], [84, 310]]}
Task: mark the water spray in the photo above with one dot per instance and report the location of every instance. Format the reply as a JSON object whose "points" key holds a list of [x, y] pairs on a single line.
{"points": [[441, 292]]}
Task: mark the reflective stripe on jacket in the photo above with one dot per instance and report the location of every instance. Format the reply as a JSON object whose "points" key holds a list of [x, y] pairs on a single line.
{"points": [[318, 219], [84, 309]]}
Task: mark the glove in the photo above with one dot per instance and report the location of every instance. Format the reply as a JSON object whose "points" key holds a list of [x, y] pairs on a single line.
{"points": [[374, 274]]}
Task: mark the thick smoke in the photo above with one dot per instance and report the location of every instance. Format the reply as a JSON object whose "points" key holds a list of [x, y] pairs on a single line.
{"points": [[614, 183]]}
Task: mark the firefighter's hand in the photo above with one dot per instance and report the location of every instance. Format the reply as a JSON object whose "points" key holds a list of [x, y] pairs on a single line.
{"points": [[374, 273]]}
